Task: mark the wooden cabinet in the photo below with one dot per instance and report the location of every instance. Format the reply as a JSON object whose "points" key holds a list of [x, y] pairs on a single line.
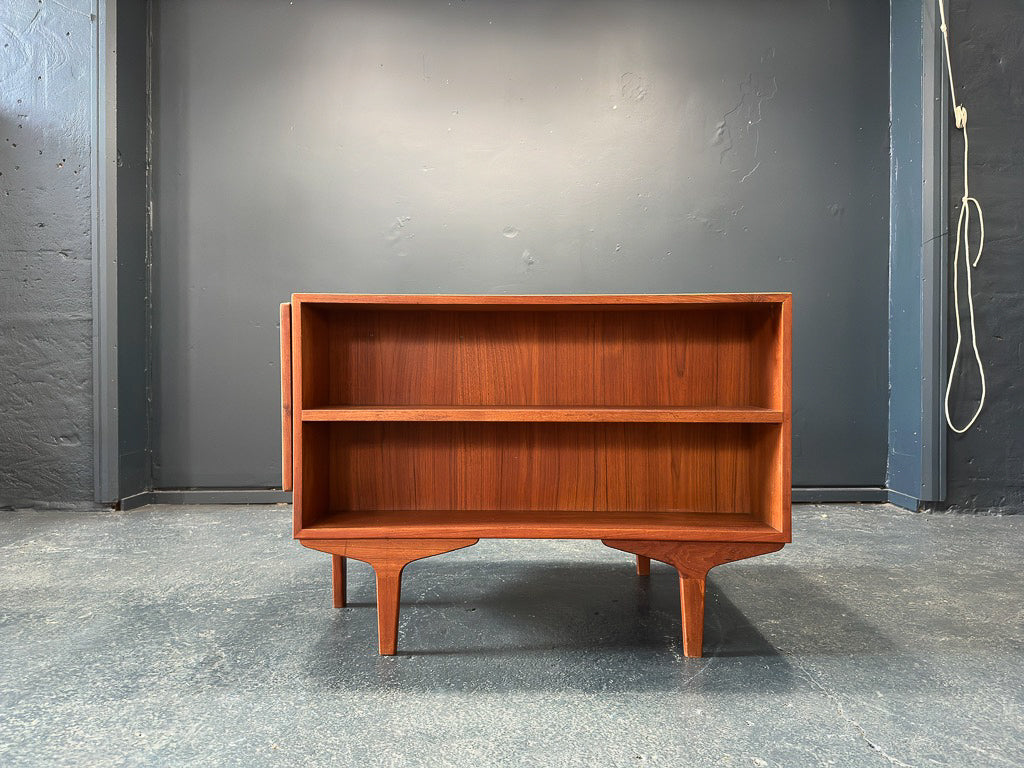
{"points": [[416, 425]]}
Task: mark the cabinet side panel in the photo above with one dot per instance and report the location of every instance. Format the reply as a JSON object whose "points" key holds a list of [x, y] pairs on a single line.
{"points": [[310, 384], [297, 425], [771, 332], [782, 509], [773, 474]]}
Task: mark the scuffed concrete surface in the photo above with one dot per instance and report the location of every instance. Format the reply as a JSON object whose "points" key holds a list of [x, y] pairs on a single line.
{"points": [[204, 636], [986, 465], [45, 252]]}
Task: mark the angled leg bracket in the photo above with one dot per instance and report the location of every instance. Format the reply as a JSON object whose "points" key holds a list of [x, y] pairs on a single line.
{"points": [[388, 558], [693, 560]]}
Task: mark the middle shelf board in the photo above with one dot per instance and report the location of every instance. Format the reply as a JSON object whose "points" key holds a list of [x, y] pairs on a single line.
{"points": [[692, 415]]}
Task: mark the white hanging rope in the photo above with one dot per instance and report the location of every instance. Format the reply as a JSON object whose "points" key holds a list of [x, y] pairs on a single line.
{"points": [[963, 229]]}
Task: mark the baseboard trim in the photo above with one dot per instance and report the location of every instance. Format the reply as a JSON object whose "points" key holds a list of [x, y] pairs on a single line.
{"points": [[135, 501], [208, 496], [901, 499], [804, 495], [834, 494]]}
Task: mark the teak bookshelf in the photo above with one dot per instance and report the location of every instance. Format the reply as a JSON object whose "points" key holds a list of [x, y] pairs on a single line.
{"points": [[416, 425]]}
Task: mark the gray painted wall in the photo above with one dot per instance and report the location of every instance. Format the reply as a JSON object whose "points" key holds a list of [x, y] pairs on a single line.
{"points": [[46, 63], [986, 466], [515, 147], [917, 248], [905, 208], [133, 257]]}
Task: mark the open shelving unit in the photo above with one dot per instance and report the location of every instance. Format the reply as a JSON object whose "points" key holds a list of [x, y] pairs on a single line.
{"points": [[416, 425]]}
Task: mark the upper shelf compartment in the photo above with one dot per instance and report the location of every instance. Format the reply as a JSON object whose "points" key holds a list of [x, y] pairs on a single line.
{"points": [[674, 360]]}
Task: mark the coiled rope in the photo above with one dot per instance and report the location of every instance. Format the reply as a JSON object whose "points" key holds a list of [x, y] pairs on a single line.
{"points": [[963, 229]]}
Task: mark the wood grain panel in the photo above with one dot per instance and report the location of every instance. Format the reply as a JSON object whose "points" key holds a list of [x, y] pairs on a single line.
{"points": [[574, 466], [310, 338], [420, 357], [766, 337], [312, 477]]}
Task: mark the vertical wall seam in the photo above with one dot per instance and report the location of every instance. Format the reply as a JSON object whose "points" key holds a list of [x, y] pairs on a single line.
{"points": [[99, 412], [104, 255], [888, 304], [148, 285], [934, 247]]}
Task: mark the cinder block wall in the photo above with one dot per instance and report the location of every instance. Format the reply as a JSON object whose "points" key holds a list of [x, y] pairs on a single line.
{"points": [[45, 253]]}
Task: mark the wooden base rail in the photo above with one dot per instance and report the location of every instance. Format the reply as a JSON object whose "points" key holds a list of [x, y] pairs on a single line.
{"points": [[388, 558]]}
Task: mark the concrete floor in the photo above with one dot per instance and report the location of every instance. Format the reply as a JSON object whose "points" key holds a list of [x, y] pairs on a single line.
{"points": [[204, 636]]}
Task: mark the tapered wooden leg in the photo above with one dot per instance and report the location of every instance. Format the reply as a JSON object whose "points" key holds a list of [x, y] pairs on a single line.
{"points": [[338, 580], [693, 560], [389, 593], [643, 566], [388, 558], [691, 599]]}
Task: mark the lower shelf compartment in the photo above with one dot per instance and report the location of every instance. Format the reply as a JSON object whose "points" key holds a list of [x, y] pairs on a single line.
{"points": [[719, 469], [540, 524]]}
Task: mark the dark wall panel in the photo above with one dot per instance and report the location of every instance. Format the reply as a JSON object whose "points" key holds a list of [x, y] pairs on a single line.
{"points": [[132, 245], [515, 147], [986, 465], [906, 175], [917, 254]]}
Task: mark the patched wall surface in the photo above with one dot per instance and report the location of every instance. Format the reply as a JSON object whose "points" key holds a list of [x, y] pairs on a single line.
{"points": [[45, 252]]}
